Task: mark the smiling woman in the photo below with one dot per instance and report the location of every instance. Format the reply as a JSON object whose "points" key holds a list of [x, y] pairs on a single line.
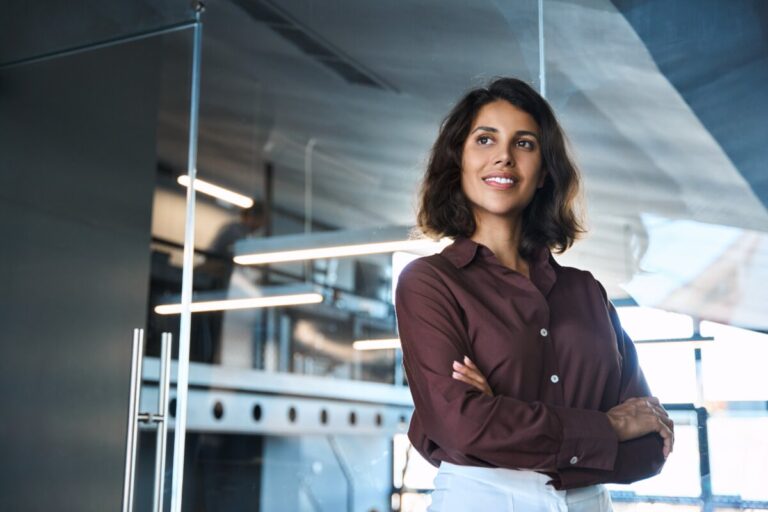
{"points": [[527, 390], [494, 135], [501, 153]]}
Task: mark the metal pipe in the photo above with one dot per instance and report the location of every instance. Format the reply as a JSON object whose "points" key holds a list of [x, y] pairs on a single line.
{"points": [[182, 379], [542, 64], [133, 412], [345, 470], [97, 46], [308, 149], [162, 419]]}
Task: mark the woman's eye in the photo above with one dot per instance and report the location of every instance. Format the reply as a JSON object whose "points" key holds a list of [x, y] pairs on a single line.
{"points": [[484, 140], [527, 144]]}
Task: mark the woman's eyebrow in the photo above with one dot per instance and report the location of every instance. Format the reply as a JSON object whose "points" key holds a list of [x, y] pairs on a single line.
{"points": [[518, 132], [486, 129]]}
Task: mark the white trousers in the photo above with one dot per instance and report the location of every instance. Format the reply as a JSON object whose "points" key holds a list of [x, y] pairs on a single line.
{"points": [[471, 488]]}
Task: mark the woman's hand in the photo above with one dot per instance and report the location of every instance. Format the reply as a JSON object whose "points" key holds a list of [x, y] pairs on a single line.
{"points": [[469, 373], [639, 416]]}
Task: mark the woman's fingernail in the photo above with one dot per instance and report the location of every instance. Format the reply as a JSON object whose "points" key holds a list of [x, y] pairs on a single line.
{"points": [[466, 359], [456, 364], [456, 375]]}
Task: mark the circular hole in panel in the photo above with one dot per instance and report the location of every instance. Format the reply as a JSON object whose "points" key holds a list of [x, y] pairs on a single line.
{"points": [[256, 412], [218, 410], [292, 414]]}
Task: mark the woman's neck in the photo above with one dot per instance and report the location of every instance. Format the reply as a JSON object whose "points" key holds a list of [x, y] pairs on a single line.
{"points": [[502, 236]]}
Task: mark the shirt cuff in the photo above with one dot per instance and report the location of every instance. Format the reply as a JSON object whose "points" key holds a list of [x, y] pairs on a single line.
{"points": [[589, 440]]}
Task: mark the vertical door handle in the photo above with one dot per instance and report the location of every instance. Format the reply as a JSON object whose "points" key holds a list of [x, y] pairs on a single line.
{"points": [[133, 412], [162, 418]]}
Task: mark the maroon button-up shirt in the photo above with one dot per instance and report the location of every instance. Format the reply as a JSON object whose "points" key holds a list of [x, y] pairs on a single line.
{"points": [[553, 352]]}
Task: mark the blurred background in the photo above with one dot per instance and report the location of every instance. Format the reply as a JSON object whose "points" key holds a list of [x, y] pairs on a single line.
{"points": [[311, 128]]}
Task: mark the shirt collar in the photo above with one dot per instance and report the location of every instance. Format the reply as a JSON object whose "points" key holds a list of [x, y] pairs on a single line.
{"points": [[461, 252], [542, 266]]}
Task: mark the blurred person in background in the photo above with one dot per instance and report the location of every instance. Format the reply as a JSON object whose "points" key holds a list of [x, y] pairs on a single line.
{"points": [[217, 272]]}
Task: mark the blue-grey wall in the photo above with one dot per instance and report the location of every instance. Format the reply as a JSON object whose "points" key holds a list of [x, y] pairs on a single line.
{"points": [[77, 167]]}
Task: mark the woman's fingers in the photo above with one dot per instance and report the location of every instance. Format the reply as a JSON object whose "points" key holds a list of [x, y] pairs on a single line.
{"points": [[468, 362], [472, 376], [463, 378], [663, 423], [668, 436], [638, 416]]}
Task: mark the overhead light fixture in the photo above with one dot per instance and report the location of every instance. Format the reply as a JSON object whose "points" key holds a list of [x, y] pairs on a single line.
{"points": [[332, 244], [382, 344], [256, 302], [216, 191], [267, 297]]}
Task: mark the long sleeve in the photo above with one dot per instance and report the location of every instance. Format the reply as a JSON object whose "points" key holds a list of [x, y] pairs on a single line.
{"points": [[461, 423], [639, 458]]}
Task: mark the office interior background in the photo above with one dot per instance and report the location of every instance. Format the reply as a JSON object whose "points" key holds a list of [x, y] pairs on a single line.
{"points": [[323, 113]]}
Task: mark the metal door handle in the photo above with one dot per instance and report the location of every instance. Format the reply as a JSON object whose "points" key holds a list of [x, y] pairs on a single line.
{"points": [[133, 413], [162, 417]]}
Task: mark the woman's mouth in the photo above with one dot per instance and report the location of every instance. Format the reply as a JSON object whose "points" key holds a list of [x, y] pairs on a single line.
{"points": [[499, 182]]}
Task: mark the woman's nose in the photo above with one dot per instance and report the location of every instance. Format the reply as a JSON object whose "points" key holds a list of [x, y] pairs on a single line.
{"points": [[504, 158]]}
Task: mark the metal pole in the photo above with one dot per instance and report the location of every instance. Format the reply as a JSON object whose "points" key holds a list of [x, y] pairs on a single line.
{"points": [[308, 149], [162, 419], [137, 355], [704, 470], [542, 65], [97, 46], [182, 378], [344, 471]]}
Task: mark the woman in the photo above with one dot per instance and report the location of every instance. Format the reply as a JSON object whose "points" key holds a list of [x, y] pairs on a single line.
{"points": [[527, 391]]}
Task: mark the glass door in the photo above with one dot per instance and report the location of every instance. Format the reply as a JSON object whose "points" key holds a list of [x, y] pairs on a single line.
{"points": [[315, 121]]}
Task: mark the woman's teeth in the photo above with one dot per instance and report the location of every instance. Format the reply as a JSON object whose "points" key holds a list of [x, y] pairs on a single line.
{"points": [[498, 179]]}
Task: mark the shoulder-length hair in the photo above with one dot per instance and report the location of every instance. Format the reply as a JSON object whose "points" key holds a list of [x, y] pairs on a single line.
{"points": [[549, 220]]}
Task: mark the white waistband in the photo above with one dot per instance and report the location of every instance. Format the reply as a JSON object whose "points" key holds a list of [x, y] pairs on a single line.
{"points": [[516, 481]]}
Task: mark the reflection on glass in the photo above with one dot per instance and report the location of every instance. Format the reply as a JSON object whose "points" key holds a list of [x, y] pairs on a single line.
{"points": [[323, 115]]}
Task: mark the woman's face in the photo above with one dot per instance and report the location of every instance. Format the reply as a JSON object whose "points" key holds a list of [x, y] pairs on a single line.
{"points": [[501, 161]]}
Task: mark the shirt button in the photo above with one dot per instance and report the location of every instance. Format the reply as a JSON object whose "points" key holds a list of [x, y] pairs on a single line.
{"points": [[544, 332], [574, 460], [555, 379]]}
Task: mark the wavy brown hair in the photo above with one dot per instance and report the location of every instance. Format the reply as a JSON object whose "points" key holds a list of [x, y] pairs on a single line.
{"points": [[549, 220]]}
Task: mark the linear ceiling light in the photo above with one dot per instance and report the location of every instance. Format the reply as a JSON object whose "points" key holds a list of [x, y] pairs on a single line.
{"points": [[388, 343], [331, 244], [254, 302], [218, 192]]}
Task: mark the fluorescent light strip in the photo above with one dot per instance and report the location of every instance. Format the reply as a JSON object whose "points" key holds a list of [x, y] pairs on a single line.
{"points": [[217, 192], [383, 344], [256, 302], [332, 252]]}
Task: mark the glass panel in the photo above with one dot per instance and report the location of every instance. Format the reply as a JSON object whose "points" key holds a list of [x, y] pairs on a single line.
{"points": [[670, 371], [79, 169], [173, 83], [324, 117], [733, 366], [677, 210], [739, 453], [680, 477]]}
